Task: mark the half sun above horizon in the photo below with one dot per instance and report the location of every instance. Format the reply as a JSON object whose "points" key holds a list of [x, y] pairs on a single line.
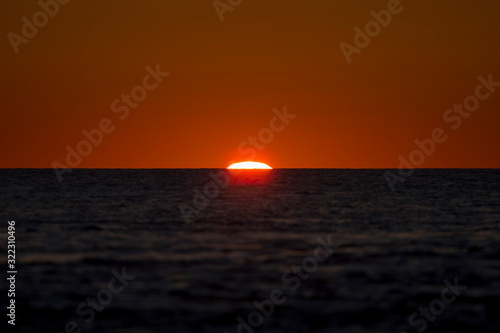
{"points": [[249, 165]]}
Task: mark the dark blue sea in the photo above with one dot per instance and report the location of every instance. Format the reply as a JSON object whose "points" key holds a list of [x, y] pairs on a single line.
{"points": [[285, 250]]}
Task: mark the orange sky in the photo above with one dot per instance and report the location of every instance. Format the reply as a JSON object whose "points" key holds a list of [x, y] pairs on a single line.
{"points": [[227, 77]]}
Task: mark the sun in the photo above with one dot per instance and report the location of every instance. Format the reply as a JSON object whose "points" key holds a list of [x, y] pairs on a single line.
{"points": [[249, 165]]}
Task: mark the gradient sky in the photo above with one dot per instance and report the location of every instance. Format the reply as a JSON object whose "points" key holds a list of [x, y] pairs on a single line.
{"points": [[227, 77]]}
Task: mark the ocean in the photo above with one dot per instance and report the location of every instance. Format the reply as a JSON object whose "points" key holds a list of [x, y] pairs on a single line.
{"points": [[285, 250]]}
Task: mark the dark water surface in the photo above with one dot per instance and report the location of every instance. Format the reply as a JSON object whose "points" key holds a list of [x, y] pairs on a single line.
{"points": [[396, 250]]}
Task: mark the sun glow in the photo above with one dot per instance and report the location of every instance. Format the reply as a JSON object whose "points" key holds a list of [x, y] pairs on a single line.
{"points": [[249, 165]]}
